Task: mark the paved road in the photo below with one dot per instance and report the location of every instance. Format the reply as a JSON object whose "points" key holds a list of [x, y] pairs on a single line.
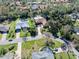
{"points": [[72, 48], [5, 42], [18, 51], [75, 51], [39, 30]]}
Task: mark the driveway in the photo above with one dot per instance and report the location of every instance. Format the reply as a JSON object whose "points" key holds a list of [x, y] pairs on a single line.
{"points": [[39, 30], [18, 51], [75, 51]]}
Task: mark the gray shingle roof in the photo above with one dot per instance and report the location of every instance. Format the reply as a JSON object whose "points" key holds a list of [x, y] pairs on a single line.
{"points": [[18, 26], [76, 29], [22, 24], [42, 55], [4, 28]]}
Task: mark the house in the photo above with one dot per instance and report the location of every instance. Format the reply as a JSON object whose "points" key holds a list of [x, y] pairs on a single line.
{"points": [[74, 16], [60, 1], [45, 54], [18, 28], [21, 24], [4, 29], [76, 30], [40, 20], [42, 55], [22, 8], [35, 6]]}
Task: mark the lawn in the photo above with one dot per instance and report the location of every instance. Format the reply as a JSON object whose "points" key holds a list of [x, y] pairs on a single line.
{"points": [[65, 55], [30, 46], [11, 33], [7, 48], [57, 44]]}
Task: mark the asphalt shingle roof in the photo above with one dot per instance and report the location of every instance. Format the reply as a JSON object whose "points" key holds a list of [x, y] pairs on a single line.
{"points": [[22, 24]]}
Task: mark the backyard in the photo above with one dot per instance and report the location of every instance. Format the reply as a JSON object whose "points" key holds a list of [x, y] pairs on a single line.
{"points": [[36, 45]]}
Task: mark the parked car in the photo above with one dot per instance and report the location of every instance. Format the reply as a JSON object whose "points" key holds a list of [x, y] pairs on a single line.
{"points": [[10, 40]]}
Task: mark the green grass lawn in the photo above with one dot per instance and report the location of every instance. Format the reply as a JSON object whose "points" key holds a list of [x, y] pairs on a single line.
{"points": [[11, 33], [64, 55], [57, 44], [8, 46]]}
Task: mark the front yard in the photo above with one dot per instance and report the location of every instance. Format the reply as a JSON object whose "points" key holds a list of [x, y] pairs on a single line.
{"points": [[7, 48]]}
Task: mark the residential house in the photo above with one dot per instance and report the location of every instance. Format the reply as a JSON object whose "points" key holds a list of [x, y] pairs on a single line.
{"points": [[76, 29], [40, 20], [4, 29], [21, 24], [74, 16], [45, 54], [35, 6]]}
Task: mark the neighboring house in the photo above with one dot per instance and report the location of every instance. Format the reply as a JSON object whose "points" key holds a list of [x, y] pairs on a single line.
{"points": [[35, 6], [22, 8], [76, 29], [62, 1], [22, 25], [18, 28], [4, 29], [45, 54], [74, 16], [40, 20], [43, 6]]}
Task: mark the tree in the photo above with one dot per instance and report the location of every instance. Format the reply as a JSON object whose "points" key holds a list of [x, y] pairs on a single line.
{"points": [[54, 27], [12, 30], [66, 32]]}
